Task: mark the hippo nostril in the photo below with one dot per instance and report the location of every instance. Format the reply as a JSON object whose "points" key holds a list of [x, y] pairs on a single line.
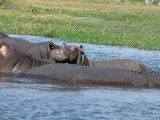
{"points": [[61, 52]]}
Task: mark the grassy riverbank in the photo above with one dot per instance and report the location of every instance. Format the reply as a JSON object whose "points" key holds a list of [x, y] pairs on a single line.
{"points": [[125, 24]]}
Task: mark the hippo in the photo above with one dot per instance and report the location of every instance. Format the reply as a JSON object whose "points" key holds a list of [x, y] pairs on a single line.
{"points": [[12, 40], [16, 59], [83, 75], [17, 62], [75, 55], [41, 50], [3, 35]]}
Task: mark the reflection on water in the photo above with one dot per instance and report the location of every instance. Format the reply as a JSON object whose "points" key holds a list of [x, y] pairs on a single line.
{"points": [[46, 100]]}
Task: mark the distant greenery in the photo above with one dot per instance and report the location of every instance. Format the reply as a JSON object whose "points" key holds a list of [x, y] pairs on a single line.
{"points": [[106, 1], [4, 2], [92, 21], [110, 1]]}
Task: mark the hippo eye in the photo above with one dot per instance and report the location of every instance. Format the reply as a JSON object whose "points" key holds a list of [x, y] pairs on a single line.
{"points": [[51, 47]]}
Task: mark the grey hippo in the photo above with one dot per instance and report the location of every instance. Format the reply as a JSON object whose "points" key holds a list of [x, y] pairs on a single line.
{"points": [[37, 50], [41, 50], [16, 61], [75, 55], [83, 75], [3, 35], [11, 40]]}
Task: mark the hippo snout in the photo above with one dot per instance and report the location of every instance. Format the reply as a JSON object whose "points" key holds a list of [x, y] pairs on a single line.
{"points": [[59, 55]]}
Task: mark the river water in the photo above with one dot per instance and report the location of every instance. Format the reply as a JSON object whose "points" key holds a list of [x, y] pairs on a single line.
{"points": [[25, 99]]}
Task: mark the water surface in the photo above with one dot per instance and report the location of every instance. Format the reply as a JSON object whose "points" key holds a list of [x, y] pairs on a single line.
{"points": [[11, 7], [90, 18], [44, 100]]}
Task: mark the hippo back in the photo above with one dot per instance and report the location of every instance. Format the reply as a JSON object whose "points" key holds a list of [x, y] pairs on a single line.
{"points": [[16, 41], [11, 40], [3, 35], [122, 64]]}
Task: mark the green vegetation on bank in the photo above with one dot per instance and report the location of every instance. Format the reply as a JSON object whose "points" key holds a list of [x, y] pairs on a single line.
{"points": [[131, 23]]}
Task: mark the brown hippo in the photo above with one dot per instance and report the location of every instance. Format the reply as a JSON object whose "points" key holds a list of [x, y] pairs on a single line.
{"points": [[75, 55]]}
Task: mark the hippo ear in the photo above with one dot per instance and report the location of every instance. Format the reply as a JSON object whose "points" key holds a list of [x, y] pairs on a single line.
{"points": [[81, 48], [73, 48], [51, 46], [4, 49], [63, 45]]}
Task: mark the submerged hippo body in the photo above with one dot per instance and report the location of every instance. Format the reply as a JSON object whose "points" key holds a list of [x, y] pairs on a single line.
{"points": [[11, 40], [77, 74], [14, 59], [74, 55]]}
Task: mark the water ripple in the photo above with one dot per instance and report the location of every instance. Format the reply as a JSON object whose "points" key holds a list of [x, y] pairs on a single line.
{"points": [[44, 100]]}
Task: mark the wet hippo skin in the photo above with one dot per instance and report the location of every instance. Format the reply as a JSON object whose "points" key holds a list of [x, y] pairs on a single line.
{"points": [[37, 50], [75, 55], [14, 59], [19, 63], [3, 35], [41, 50], [77, 74], [11, 40]]}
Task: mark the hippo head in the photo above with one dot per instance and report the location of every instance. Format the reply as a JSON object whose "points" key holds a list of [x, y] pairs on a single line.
{"points": [[42, 50], [66, 54], [13, 59]]}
